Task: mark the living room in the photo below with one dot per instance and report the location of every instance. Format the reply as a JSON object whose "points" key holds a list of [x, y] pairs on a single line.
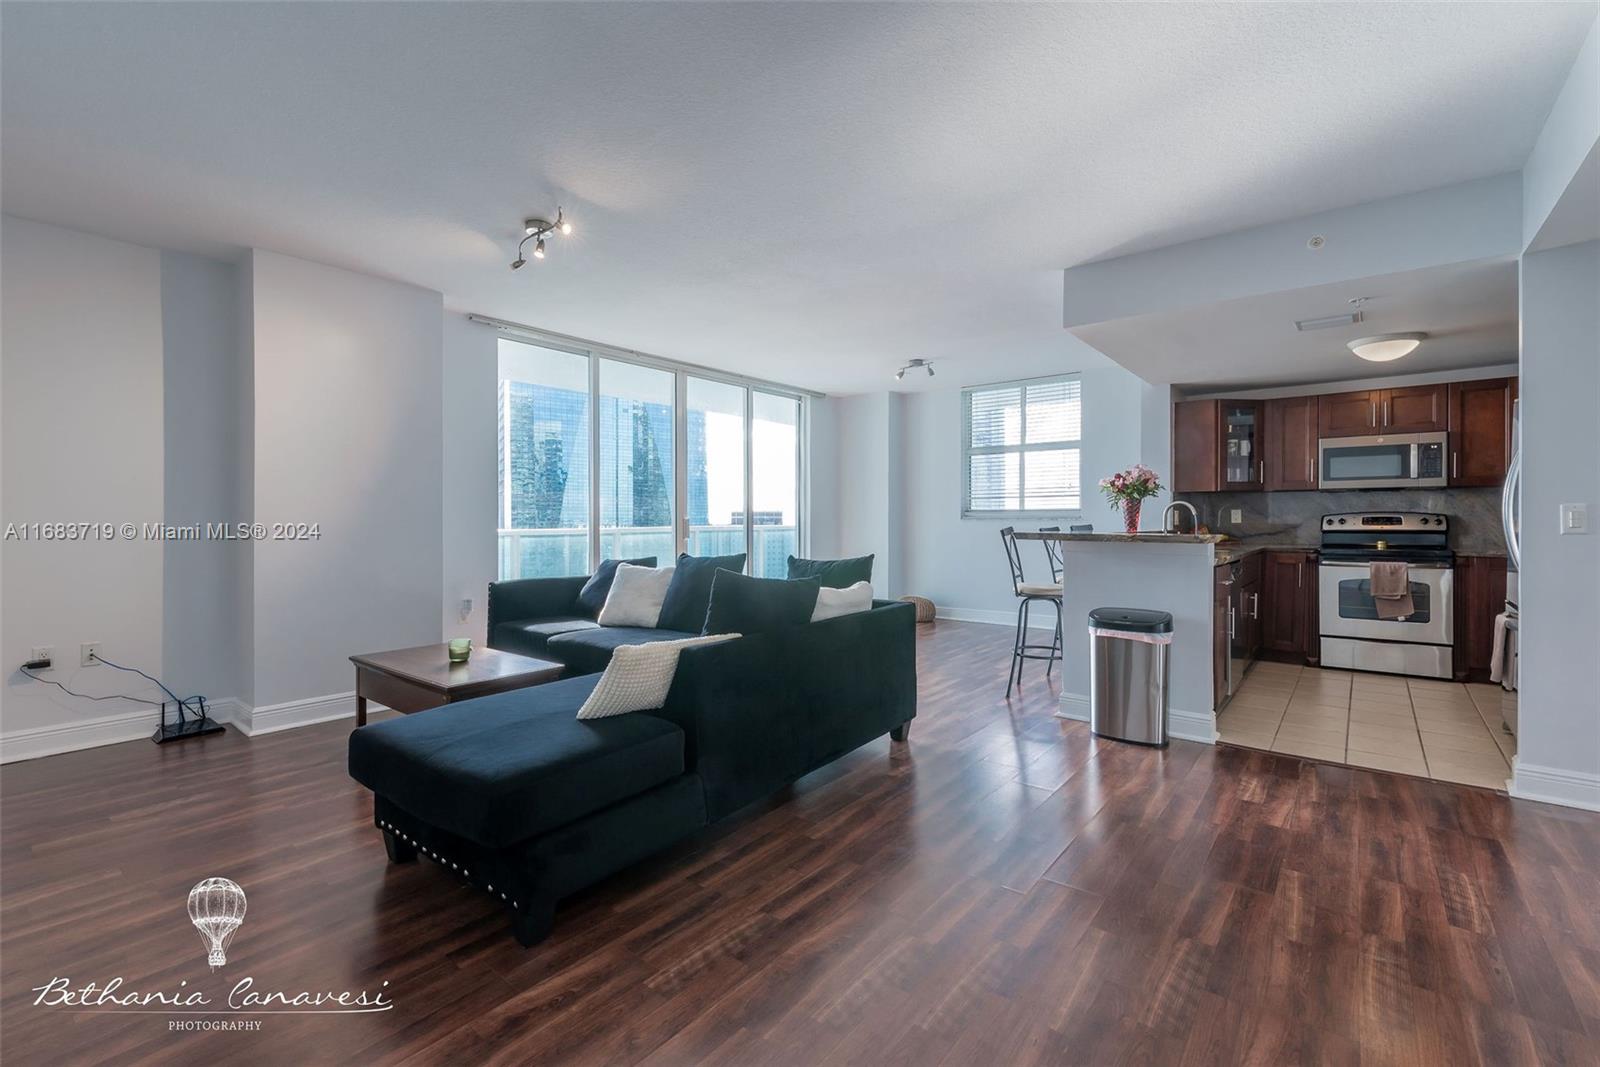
{"points": [[598, 508]]}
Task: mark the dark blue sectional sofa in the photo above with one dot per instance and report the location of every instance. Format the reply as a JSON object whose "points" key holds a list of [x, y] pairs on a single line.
{"points": [[517, 796]]}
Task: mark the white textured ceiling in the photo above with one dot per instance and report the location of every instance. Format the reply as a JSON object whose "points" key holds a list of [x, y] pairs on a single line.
{"points": [[1468, 311], [811, 193]]}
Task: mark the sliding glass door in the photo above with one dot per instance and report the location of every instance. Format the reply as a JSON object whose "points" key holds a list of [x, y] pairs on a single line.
{"points": [[636, 453], [543, 401], [716, 468], [603, 456], [774, 483]]}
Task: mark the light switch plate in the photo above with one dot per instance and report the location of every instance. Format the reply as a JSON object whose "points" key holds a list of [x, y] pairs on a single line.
{"points": [[1236, 516], [1574, 518]]}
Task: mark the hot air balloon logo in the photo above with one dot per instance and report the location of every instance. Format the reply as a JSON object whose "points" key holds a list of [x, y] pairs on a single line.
{"points": [[216, 907]]}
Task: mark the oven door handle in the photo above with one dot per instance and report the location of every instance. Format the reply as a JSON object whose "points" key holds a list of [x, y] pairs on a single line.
{"points": [[1354, 565]]}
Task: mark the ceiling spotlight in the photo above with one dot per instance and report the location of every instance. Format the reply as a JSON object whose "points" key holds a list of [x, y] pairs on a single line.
{"points": [[535, 230], [915, 364], [1386, 346]]}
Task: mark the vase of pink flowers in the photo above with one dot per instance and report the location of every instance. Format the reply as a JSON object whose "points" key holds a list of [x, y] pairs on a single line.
{"points": [[1126, 490]]}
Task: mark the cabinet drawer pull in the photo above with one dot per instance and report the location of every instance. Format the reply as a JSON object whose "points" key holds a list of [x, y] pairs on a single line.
{"points": [[1372, 413], [1455, 464]]}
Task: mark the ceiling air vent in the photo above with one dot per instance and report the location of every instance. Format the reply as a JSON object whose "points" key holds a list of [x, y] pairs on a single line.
{"points": [[1328, 322]]}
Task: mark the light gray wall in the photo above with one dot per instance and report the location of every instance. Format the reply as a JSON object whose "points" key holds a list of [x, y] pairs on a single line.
{"points": [[81, 378], [348, 425], [1455, 224], [1559, 674], [471, 459], [822, 479], [200, 607], [1566, 140], [900, 488]]}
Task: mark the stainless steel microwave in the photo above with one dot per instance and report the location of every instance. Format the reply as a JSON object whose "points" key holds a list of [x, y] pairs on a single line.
{"points": [[1386, 461]]}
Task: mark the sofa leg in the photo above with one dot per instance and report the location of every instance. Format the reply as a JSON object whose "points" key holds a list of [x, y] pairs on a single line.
{"points": [[399, 851], [901, 732], [532, 924]]}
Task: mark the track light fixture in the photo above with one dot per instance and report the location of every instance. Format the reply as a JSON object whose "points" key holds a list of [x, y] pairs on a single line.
{"points": [[915, 364], [536, 230]]}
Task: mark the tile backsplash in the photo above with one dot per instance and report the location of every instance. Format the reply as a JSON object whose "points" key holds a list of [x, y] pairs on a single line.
{"points": [[1296, 517]]}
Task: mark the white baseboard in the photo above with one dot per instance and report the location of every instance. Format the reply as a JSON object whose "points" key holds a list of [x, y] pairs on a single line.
{"points": [[108, 730], [1552, 785], [1042, 619], [1198, 726], [271, 718]]}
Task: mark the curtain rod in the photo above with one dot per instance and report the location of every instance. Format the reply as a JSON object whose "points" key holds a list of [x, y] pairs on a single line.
{"points": [[633, 355]]}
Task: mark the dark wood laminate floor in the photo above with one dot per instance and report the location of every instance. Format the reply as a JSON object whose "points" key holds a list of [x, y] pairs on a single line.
{"points": [[1004, 890]]}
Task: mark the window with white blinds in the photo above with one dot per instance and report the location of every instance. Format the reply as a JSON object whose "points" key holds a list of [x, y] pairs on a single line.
{"points": [[1022, 447]]}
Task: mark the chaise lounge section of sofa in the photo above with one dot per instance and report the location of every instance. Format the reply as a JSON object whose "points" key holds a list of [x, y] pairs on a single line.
{"points": [[515, 795]]}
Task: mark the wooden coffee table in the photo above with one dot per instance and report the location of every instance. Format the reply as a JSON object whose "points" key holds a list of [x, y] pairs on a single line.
{"points": [[416, 679]]}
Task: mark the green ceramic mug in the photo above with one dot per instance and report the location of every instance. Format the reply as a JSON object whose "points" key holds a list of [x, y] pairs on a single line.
{"points": [[460, 649]]}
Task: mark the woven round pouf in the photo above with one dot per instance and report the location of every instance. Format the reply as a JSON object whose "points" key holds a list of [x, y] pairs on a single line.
{"points": [[924, 606]]}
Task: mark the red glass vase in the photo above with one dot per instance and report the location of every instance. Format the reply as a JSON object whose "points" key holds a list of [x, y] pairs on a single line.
{"points": [[1130, 516]]}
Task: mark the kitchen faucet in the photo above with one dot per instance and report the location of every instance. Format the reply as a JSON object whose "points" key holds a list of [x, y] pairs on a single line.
{"points": [[1166, 517]]}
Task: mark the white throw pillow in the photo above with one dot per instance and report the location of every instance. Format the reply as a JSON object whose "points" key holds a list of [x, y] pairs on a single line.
{"points": [[636, 595], [831, 603], [638, 676]]}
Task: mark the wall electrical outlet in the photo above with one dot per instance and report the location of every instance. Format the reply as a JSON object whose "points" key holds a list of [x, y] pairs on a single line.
{"points": [[41, 652], [87, 653], [1574, 518], [1236, 516], [466, 608]]}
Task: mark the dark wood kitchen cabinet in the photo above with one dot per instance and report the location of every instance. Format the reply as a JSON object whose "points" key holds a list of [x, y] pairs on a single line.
{"points": [[1480, 595], [1289, 607], [1411, 409], [1216, 446], [1348, 414], [1289, 443], [1480, 430]]}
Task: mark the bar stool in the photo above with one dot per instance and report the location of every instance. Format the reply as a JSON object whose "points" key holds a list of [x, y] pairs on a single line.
{"points": [[1026, 594]]}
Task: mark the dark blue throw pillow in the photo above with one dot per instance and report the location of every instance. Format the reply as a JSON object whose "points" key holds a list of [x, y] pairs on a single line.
{"points": [[744, 605], [833, 573], [592, 597], [690, 591]]}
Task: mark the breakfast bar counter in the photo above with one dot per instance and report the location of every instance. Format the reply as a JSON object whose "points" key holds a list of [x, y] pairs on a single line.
{"points": [[1166, 572]]}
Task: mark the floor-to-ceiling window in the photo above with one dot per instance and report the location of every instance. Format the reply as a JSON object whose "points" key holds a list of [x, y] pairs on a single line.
{"points": [[774, 483], [544, 408], [716, 467], [619, 456], [636, 461]]}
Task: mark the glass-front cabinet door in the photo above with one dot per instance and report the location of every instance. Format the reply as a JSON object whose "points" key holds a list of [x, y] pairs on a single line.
{"points": [[1242, 459]]}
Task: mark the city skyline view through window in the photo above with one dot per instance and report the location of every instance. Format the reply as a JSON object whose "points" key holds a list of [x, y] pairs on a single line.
{"points": [[545, 516]]}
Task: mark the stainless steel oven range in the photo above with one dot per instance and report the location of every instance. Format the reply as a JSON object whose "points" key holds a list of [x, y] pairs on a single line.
{"points": [[1353, 636]]}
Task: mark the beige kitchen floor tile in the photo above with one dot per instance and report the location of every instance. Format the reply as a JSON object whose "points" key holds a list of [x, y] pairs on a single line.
{"points": [[1382, 761], [1380, 700], [1259, 699], [1477, 741], [1367, 732], [1484, 778], [1306, 735], [1327, 753], [1319, 700], [1337, 721], [1368, 713], [1248, 739], [1461, 762]]}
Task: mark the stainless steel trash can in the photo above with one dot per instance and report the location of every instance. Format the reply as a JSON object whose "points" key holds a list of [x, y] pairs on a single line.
{"points": [[1128, 668]]}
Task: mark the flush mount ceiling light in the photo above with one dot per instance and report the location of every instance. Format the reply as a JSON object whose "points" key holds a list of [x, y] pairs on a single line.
{"points": [[1386, 346], [915, 364], [536, 230]]}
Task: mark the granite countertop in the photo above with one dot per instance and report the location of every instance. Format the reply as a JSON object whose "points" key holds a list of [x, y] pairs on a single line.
{"points": [[1237, 550], [1138, 538]]}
